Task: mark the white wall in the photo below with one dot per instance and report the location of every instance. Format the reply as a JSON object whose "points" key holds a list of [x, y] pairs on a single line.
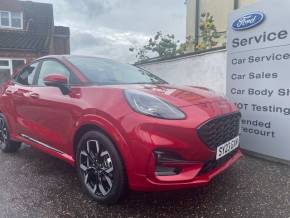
{"points": [[207, 70]]}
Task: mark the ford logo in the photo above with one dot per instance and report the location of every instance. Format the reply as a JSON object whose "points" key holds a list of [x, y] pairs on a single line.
{"points": [[248, 21]]}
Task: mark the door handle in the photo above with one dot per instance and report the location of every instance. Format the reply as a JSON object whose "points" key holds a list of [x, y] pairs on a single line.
{"points": [[34, 96], [8, 92]]}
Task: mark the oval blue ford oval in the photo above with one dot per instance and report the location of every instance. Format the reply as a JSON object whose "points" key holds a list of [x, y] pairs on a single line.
{"points": [[248, 21]]}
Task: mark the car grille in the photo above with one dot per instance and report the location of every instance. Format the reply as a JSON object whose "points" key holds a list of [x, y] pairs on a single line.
{"points": [[220, 130], [213, 164]]}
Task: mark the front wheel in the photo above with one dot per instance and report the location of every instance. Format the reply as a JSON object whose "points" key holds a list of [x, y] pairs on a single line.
{"points": [[6, 144], [100, 168]]}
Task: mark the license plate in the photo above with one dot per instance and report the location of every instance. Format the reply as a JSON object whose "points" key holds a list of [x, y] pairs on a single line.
{"points": [[227, 147]]}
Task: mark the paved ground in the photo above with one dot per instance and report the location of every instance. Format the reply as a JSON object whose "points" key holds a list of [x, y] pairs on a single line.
{"points": [[33, 184]]}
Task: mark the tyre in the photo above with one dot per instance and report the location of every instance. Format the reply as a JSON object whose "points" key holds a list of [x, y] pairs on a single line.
{"points": [[6, 144], [100, 168]]}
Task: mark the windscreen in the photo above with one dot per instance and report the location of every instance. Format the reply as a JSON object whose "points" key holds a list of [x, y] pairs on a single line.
{"points": [[107, 72]]}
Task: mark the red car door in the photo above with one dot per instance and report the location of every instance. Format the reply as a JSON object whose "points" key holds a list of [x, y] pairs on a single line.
{"points": [[19, 94], [52, 112]]}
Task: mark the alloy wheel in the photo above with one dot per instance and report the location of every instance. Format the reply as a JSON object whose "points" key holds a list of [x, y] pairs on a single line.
{"points": [[96, 168], [3, 133]]}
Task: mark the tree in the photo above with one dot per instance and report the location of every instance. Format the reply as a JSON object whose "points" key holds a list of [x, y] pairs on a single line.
{"points": [[160, 45], [165, 46], [208, 33], [188, 46], [142, 53]]}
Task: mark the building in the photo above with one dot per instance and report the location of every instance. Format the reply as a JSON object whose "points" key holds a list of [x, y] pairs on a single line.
{"points": [[27, 31], [219, 9]]}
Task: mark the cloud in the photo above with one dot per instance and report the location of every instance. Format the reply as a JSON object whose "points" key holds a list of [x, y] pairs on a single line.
{"points": [[107, 43], [110, 27], [82, 11], [91, 8]]}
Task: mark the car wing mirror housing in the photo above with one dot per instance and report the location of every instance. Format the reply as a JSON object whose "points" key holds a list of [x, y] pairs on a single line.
{"points": [[59, 81]]}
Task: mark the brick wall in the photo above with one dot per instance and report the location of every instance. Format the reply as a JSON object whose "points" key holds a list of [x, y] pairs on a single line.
{"points": [[61, 45], [10, 5]]}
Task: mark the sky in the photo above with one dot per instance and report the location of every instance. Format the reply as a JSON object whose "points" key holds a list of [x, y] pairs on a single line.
{"points": [[108, 28]]}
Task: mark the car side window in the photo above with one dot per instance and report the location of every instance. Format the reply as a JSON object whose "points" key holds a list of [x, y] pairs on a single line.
{"points": [[26, 76], [51, 67]]}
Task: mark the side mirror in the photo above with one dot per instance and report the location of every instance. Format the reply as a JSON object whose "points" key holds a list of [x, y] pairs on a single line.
{"points": [[57, 80]]}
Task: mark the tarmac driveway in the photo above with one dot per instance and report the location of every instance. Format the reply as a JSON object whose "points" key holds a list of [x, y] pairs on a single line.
{"points": [[33, 184]]}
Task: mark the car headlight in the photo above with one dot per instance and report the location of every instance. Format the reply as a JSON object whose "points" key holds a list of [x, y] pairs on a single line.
{"points": [[150, 105]]}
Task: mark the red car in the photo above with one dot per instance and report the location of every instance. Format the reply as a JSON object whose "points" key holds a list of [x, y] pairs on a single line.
{"points": [[120, 126]]}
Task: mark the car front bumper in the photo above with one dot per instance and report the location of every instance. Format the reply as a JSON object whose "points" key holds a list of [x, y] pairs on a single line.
{"points": [[189, 178]]}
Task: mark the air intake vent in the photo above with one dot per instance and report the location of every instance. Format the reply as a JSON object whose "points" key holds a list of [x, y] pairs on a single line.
{"points": [[220, 130]]}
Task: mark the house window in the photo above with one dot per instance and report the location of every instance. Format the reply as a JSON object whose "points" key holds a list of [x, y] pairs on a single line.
{"points": [[5, 19], [11, 19], [4, 63], [17, 63], [16, 19], [9, 65]]}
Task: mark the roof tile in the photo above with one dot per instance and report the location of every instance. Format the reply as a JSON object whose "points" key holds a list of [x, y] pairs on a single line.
{"points": [[20, 40]]}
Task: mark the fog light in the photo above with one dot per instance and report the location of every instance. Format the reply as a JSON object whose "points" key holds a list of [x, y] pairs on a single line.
{"points": [[165, 158], [166, 171]]}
